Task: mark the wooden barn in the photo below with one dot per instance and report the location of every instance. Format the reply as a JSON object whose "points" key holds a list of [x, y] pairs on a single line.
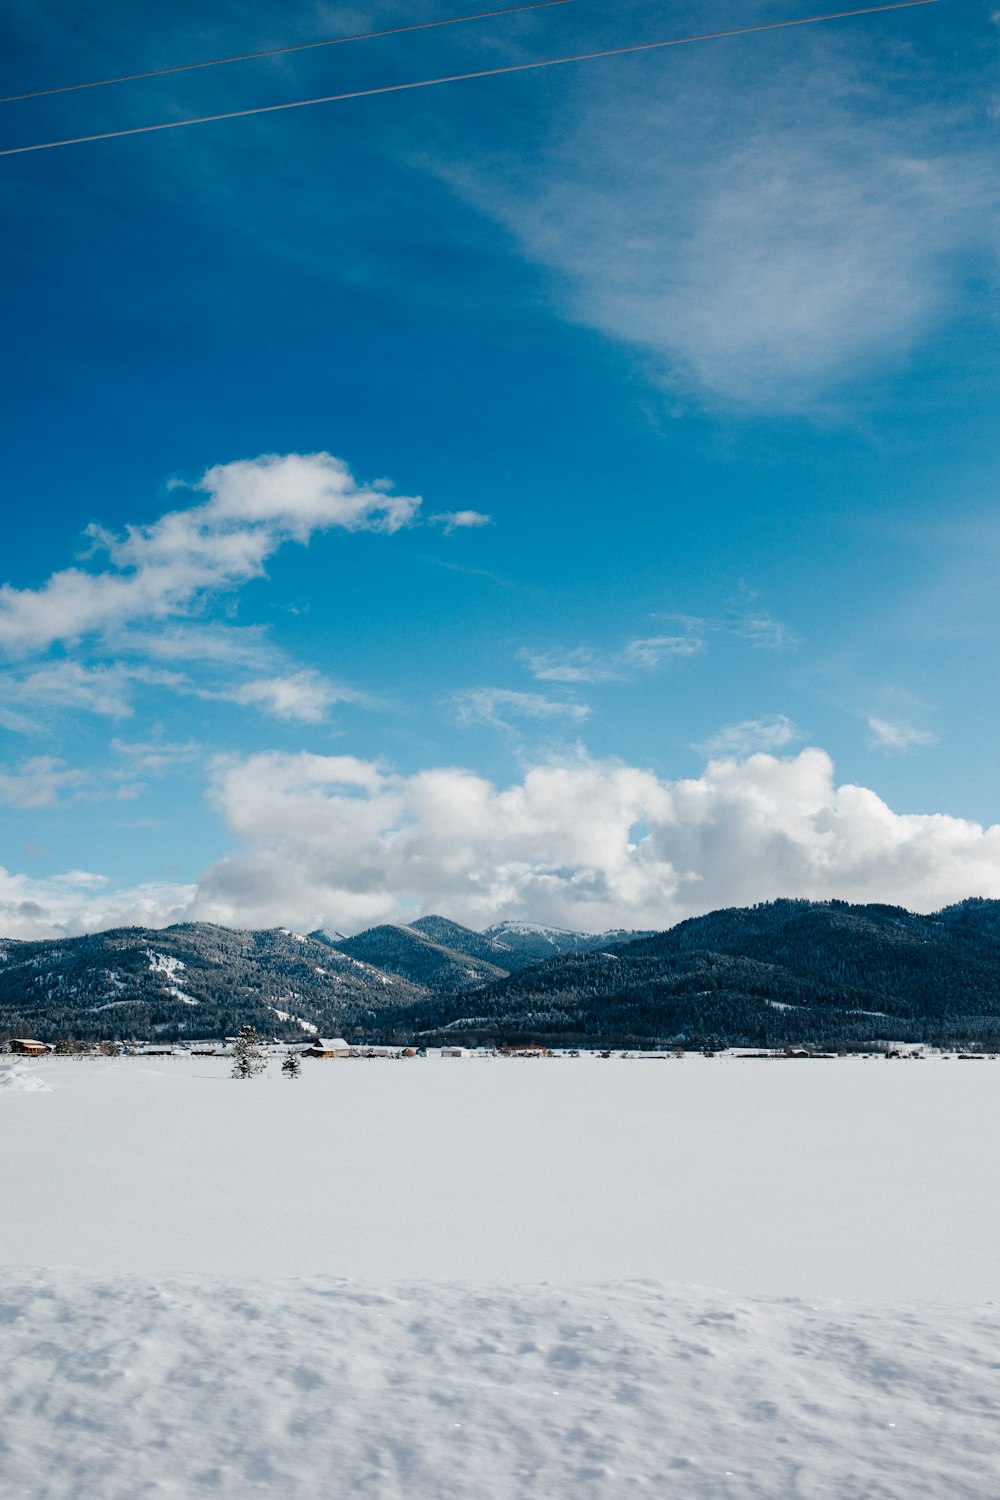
{"points": [[27, 1047]]}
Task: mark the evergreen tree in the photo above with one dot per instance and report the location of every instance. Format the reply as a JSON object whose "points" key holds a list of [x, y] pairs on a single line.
{"points": [[249, 1058], [292, 1065]]}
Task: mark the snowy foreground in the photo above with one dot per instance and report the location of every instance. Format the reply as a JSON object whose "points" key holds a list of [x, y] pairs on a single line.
{"points": [[500, 1278]]}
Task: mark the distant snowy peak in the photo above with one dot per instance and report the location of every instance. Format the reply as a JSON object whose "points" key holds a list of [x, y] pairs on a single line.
{"points": [[532, 929], [527, 943], [327, 935]]}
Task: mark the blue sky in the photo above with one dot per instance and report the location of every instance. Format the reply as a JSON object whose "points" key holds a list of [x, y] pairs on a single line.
{"points": [[691, 362]]}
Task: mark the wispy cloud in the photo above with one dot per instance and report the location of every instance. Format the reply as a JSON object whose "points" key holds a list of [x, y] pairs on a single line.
{"points": [[214, 643], [762, 631], [303, 696], [103, 689], [498, 706], [590, 664], [811, 223], [18, 723], [460, 520], [750, 736], [889, 735], [38, 782], [155, 757], [755, 626]]}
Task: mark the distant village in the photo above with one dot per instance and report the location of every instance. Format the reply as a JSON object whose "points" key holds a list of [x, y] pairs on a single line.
{"points": [[337, 1048]]}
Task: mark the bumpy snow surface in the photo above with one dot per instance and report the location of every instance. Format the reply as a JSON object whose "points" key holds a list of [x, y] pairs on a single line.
{"points": [[484, 1278]]}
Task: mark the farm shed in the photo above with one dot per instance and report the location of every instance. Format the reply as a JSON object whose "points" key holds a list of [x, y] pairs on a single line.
{"points": [[28, 1047]]}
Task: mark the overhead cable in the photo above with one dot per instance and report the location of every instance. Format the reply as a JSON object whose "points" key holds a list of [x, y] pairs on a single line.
{"points": [[334, 41], [426, 83]]}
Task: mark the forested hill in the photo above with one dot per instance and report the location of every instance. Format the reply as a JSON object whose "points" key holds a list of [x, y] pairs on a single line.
{"points": [[786, 972], [939, 965], [191, 980]]}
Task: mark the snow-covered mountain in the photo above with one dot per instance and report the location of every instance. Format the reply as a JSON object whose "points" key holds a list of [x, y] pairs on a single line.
{"points": [[195, 980], [442, 954], [789, 971], [531, 942]]}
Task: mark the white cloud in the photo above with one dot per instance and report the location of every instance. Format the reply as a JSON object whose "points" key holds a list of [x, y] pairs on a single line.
{"points": [[750, 735], [588, 664], [497, 706], [887, 735], [18, 723], [127, 621], [458, 520], [761, 235], [763, 632], [103, 689], [156, 756], [334, 839], [758, 628], [167, 568], [209, 644]]}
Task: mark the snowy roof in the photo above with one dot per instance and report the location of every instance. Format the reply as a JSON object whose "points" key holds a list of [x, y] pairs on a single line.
{"points": [[330, 1044]]}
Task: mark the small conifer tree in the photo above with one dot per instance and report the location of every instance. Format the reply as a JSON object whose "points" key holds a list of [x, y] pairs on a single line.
{"points": [[292, 1065], [248, 1054]]}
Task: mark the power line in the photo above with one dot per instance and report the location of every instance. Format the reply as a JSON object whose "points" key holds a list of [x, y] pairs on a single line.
{"points": [[426, 83], [335, 41]]}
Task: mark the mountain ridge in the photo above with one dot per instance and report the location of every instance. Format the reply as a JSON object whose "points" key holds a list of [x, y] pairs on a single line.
{"points": [[768, 975]]}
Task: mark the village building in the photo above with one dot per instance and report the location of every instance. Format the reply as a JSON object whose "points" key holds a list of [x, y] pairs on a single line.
{"points": [[327, 1047], [28, 1047]]}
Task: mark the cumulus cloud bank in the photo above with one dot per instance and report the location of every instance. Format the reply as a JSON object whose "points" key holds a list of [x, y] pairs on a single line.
{"points": [[80, 901], [590, 844], [335, 840]]}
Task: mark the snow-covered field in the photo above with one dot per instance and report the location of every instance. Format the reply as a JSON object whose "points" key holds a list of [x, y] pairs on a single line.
{"points": [[500, 1278]]}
